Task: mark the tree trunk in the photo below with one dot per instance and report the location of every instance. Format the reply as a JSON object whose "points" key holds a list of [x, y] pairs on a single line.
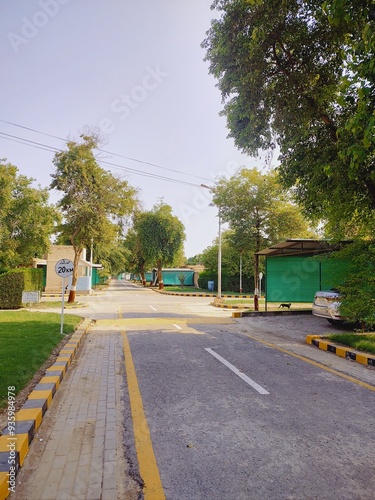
{"points": [[160, 276], [72, 292], [256, 291], [143, 277], [256, 267]]}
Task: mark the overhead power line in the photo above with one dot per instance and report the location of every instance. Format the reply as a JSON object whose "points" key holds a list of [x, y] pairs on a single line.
{"points": [[46, 147], [108, 152]]}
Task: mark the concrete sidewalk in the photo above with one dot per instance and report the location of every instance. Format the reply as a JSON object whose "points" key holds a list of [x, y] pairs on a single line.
{"points": [[78, 451]]}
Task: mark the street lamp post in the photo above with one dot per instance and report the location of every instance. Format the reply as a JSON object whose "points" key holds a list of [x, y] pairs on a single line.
{"points": [[219, 261], [219, 251]]}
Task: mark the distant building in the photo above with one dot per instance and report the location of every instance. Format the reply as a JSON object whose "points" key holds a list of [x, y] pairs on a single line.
{"points": [[87, 272]]}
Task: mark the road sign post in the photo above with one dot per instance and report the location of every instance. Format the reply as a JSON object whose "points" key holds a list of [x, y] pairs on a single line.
{"points": [[64, 269]]}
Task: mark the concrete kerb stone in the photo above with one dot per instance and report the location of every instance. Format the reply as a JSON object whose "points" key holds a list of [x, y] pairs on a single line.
{"points": [[344, 352], [15, 440]]}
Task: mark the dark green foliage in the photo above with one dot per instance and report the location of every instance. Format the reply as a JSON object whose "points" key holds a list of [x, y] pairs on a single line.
{"points": [[159, 238], [355, 280], [26, 219], [228, 283], [301, 76], [94, 203], [13, 283]]}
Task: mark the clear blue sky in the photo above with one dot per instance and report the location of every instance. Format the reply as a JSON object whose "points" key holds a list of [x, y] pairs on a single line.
{"points": [[133, 68]]}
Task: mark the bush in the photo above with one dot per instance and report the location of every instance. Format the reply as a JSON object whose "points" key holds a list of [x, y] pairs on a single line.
{"points": [[355, 280], [229, 283], [14, 282]]}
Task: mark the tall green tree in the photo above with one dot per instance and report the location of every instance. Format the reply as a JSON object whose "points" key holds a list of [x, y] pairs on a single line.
{"points": [[27, 221], [301, 75], [161, 236], [259, 211], [112, 257], [230, 258], [135, 261], [94, 202]]}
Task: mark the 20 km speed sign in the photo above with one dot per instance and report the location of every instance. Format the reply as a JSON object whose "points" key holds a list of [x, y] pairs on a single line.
{"points": [[64, 268]]}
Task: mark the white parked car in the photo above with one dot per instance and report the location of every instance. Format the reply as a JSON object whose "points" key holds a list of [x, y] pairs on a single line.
{"points": [[327, 305]]}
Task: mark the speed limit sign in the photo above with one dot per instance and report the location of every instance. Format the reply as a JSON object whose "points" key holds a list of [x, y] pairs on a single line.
{"points": [[64, 268]]}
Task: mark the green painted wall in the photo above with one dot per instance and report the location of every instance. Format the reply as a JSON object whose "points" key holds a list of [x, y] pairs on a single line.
{"points": [[95, 279], [170, 277], [297, 278], [292, 279]]}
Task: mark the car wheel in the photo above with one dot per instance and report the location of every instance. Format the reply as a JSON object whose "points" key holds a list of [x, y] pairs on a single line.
{"points": [[335, 321]]}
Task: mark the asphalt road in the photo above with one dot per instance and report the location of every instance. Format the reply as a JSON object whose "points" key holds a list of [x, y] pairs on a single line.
{"points": [[244, 408]]}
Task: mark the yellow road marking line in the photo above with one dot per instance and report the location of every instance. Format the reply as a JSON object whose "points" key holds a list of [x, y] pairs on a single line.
{"points": [[314, 363], [204, 320], [165, 325], [146, 458]]}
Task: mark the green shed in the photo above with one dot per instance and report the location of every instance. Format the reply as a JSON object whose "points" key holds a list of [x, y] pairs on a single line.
{"points": [[171, 276], [291, 272]]}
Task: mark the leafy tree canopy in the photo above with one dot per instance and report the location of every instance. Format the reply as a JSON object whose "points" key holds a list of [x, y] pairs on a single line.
{"points": [[27, 221], [94, 201], [259, 211], [135, 262], [230, 260], [161, 236], [352, 272], [301, 74]]}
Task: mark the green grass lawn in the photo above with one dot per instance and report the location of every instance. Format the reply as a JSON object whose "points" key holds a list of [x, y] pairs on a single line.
{"points": [[360, 342], [26, 342]]}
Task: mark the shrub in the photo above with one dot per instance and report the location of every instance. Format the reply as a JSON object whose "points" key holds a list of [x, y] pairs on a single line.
{"points": [[229, 283], [16, 281]]}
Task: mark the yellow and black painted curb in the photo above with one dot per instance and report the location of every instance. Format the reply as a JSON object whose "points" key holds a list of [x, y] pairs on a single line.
{"points": [[342, 351], [15, 439]]}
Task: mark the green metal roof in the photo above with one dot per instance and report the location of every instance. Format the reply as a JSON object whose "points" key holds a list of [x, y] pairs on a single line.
{"points": [[302, 247]]}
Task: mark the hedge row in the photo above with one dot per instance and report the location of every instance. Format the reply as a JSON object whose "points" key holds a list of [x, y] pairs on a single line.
{"points": [[228, 283], [13, 283]]}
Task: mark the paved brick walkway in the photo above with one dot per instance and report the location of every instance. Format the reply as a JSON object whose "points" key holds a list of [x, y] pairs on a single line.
{"points": [[78, 452]]}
